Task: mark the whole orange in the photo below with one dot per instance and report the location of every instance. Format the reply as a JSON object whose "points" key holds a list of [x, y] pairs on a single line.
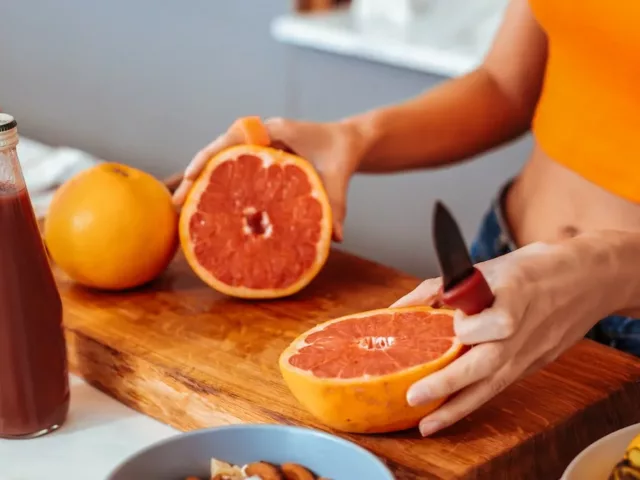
{"points": [[112, 227]]}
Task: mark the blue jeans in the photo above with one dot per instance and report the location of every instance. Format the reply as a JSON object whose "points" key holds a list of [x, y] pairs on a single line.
{"points": [[494, 239]]}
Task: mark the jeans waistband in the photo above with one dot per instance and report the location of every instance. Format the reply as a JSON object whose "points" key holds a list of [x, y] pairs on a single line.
{"points": [[498, 206]]}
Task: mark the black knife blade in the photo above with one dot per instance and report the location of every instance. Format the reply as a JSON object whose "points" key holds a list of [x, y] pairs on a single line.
{"points": [[451, 250]]}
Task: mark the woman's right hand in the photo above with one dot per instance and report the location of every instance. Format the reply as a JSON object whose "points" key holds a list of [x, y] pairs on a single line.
{"points": [[335, 150]]}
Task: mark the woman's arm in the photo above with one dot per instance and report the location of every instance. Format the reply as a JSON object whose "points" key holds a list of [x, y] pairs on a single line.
{"points": [[465, 116], [620, 252]]}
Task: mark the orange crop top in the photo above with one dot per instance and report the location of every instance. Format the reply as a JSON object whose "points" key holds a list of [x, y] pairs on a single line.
{"points": [[588, 116]]}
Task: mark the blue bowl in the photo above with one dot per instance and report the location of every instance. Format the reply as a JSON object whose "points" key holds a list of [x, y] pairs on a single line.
{"points": [[190, 454]]}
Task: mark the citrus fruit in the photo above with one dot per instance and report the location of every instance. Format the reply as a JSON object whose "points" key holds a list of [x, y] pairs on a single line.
{"points": [[252, 130], [353, 373], [112, 227], [257, 222]]}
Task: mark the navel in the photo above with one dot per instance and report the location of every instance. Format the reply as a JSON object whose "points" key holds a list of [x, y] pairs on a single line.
{"points": [[569, 231]]}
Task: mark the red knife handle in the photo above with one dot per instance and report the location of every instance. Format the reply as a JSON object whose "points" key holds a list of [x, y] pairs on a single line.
{"points": [[472, 295]]}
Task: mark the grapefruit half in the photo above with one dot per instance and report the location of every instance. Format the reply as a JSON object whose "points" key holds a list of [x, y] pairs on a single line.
{"points": [[257, 222], [353, 373]]}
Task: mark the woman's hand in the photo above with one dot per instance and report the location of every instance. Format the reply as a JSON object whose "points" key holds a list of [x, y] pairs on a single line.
{"points": [[335, 149], [548, 296]]}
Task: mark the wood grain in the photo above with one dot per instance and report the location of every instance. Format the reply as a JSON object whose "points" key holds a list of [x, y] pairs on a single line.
{"points": [[190, 357], [182, 353]]}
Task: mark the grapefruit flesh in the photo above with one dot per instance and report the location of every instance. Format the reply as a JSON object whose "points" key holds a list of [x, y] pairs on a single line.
{"points": [[256, 223], [353, 373], [112, 227]]}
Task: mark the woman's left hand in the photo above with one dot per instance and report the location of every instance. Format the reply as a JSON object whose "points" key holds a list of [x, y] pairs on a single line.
{"points": [[548, 296]]}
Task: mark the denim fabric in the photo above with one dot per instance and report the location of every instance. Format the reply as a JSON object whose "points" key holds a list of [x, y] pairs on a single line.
{"points": [[494, 240]]}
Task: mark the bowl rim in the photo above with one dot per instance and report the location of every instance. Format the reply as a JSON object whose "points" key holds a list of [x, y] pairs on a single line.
{"points": [[254, 426], [589, 448]]}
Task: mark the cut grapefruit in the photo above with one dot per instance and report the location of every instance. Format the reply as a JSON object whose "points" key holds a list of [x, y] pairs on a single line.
{"points": [[257, 222], [353, 373]]}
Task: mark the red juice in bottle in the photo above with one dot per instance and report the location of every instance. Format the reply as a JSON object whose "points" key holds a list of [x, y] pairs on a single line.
{"points": [[34, 383]]}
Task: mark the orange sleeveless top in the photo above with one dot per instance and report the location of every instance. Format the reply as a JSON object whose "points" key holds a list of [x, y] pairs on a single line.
{"points": [[588, 116]]}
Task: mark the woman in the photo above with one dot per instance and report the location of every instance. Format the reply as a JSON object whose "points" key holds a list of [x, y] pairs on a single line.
{"points": [[569, 72]]}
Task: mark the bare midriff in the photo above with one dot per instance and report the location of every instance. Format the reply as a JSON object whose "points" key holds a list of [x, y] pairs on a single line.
{"points": [[549, 202]]}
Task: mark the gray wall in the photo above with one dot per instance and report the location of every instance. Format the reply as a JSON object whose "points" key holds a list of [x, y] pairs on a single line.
{"points": [[148, 83]]}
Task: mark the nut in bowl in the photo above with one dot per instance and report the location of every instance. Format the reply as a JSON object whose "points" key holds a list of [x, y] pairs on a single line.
{"points": [[612, 457], [258, 452]]}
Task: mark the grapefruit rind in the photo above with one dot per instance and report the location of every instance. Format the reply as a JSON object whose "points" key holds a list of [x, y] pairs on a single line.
{"points": [[111, 227], [269, 156], [370, 404], [253, 131]]}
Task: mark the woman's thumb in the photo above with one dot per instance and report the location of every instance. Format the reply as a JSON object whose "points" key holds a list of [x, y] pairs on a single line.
{"points": [[427, 293]]}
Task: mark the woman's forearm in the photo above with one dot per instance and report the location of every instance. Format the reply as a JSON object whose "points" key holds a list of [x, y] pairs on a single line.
{"points": [[619, 253], [455, 120]]}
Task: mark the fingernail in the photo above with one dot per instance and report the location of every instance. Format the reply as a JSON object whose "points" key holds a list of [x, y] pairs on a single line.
{"points": [[416, 396], [188, 172], [427, 427], [405, 301]]}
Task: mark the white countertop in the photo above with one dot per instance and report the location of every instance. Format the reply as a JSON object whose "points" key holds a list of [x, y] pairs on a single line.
{"points": [[99, 433], [449, 40]]}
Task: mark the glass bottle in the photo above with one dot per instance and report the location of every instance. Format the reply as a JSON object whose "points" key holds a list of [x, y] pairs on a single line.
{"points": [[34, 383]]}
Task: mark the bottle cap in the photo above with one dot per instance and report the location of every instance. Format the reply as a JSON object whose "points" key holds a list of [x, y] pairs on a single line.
{"points": [[7, 122], [8, 131]]}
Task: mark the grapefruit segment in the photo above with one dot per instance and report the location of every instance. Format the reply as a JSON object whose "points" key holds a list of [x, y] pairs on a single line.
{"points": [[256, 223], [353, 373]]}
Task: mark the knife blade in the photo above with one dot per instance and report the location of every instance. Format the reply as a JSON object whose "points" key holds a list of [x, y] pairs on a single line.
{"points": [[463, 285]]}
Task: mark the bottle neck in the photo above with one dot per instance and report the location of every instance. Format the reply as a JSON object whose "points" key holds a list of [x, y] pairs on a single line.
{"points": [[11, 179]]}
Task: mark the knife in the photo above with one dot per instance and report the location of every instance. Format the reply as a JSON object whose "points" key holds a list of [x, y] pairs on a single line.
{"points": [[463, 285]]}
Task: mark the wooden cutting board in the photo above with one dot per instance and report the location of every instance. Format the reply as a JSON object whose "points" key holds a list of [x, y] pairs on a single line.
{"points": [[182, 353]]}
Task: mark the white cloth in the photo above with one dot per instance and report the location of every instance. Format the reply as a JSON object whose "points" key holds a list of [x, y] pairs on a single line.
{"points": [[45, 168]]}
